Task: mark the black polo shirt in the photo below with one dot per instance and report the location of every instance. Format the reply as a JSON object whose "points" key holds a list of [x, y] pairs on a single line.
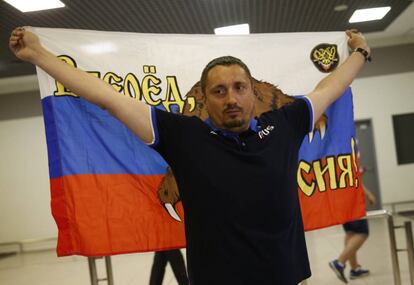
{"points": [[242, 216]]}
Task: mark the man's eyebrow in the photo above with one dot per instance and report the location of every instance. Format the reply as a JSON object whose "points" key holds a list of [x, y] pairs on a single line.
{"points": [[219, 85]]}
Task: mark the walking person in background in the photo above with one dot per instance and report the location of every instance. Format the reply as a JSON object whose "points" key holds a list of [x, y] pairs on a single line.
{"points": [[356, 233]]}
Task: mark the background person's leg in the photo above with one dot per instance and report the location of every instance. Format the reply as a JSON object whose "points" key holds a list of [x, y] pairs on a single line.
{"points": [[354, 242], [356, 233], [176, 260], [158, 268]]}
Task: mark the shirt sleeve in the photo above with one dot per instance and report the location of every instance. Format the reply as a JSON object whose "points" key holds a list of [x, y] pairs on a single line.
{"points": [[166, 129], [299, 115]]}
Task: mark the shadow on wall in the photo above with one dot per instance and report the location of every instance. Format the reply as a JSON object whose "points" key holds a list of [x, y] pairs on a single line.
{"points": [[20, 105]]}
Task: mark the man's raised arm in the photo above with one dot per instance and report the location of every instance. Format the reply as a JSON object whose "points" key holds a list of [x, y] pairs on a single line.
{"points": [[134, 114], [332, 87]]}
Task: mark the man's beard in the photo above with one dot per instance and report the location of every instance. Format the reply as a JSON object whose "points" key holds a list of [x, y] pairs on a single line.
{"points": [[234, 123]]}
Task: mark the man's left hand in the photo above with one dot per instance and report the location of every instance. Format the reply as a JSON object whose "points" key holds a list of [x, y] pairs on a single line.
{"points": [[357, 40]]}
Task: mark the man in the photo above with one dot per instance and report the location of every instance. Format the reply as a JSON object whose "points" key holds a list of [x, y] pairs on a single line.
{"points": [[236, 174]]}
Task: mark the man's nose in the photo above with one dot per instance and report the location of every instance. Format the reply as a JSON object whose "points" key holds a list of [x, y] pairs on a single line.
{"points": [[231, 97]]}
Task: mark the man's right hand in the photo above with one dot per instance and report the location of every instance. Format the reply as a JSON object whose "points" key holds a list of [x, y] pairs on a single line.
{"points": [[24, 44]]}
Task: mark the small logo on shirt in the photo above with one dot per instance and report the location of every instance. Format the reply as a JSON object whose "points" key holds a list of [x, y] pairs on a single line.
{"points": [[266, 131], [213, 133], [325, 57]]}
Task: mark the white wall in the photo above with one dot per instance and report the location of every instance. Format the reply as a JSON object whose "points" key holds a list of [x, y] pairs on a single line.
{"points": [[24, 180], [378, 98]]}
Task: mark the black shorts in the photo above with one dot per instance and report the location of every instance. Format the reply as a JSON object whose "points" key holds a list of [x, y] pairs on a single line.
{"points": [[358, 227]]}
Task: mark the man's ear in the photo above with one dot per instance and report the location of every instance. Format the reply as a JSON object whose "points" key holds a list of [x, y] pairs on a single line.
{"points": [[253, 84], [254, 91]]}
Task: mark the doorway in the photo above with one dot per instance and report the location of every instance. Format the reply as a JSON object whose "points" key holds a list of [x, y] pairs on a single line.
{"points": [[366, 147]]}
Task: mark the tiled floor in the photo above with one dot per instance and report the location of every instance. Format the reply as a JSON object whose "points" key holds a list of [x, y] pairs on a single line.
{"points": [[44, 268]]}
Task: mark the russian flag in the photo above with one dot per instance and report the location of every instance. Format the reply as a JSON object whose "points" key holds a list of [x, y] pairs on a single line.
{"points": [[104, 183], [104, 180]]}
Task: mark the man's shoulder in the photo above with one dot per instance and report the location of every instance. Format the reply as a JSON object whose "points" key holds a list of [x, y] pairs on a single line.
{"points": [[269, 116]]}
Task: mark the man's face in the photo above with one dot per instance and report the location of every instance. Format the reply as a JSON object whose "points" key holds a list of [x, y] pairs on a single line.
{"points": [[229, 97]]}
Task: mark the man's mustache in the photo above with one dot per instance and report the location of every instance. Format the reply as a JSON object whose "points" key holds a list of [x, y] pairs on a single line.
{"points": [[232, 107]]}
